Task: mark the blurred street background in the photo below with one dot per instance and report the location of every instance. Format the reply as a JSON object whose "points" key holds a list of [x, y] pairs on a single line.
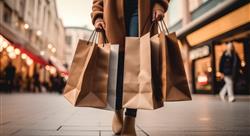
{"points": [[38, 39]]}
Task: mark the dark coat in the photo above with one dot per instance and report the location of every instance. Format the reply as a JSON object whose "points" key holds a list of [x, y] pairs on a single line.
{"points": [[230, 64]]}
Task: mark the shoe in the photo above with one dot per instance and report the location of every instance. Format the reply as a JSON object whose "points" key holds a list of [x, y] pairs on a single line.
{"points": [[231, 99], [222, 97], [128, 126], [117, 122]]}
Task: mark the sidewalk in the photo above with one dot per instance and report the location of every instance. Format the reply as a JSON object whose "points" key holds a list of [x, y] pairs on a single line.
{"points": [[51, 114]]}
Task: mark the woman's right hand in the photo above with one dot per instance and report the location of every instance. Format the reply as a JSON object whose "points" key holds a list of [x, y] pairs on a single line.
{"points": [[99, 24]]}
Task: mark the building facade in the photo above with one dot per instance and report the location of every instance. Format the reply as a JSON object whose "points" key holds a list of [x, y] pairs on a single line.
{"points": [[204, 27], [73, 34], [33, 29]]}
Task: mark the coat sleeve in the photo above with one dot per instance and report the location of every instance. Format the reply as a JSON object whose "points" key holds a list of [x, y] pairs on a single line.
{"points": [[97, 10], [161, 5], [221, 64]]}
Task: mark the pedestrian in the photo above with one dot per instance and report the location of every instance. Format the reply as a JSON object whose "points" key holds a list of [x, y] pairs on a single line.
{"points": [[229, 67], [27, 83], [19, 82], [52, 83], [10, 72], [121, 18], [36, 82]]}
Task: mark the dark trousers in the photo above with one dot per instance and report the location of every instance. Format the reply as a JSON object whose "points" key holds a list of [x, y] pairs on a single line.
{"points": [[131, 22]]}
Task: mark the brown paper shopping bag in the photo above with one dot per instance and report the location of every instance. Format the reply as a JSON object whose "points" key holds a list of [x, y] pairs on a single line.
{"points": [[173, 75], [88, 80], [138, 92]]}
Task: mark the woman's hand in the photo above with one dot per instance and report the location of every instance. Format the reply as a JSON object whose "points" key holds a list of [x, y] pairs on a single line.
{"points": [[99, 24], [158, 15]]}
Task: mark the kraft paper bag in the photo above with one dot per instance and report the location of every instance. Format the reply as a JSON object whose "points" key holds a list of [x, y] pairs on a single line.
{"points": [[138, 92], [156, 66], [87, 85], [173, 75]]}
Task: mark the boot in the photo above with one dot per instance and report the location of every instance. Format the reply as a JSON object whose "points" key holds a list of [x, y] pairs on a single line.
{"points": [[117, 122], [231, 99], [128, 126]]}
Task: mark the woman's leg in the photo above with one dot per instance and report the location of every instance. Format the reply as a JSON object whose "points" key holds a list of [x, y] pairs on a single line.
{"points": [[230, 93], [119, 88], [117, 122]]}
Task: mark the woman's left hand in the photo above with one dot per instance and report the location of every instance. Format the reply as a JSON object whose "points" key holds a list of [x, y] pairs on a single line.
{"points": [[158, 15]]}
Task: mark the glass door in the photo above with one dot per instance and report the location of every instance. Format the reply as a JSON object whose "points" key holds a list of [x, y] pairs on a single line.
{"points": [[203, 75]]}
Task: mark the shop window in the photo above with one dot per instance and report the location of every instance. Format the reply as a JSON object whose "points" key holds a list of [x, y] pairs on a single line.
{"points": [[7, 14], [203, 75]]}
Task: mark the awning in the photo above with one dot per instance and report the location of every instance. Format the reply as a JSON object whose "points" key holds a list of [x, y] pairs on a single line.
{"points": [[33, 56], [59, 66], [23, 51]]}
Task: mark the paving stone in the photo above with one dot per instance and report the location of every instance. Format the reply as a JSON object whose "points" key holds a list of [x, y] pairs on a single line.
{"points": [[55, 133], [50, 114], [110, 133]]}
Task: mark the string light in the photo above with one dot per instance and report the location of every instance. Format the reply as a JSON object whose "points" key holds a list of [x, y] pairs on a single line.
{"points": [[10, 49], [50, 46], [53, 50], [26, 26], [17, 51], [29, 61], [5, 44], [23, 56]]}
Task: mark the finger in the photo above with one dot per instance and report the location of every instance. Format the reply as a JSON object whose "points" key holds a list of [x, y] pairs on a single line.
{"points": [[98, 27], [103, 25], [159, 17]]}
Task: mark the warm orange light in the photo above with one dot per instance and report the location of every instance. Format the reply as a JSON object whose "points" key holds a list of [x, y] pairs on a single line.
{"points": [[26, 26], [17, 51], [53, 50], [50, 45], [5, 44], [23, 56], [29, 61], [10, 49], [39, 33], [12, 55]]}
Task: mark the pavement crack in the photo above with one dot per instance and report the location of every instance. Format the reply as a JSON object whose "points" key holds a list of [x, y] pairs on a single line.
{"points": [[143, 131], [15, 132], [58, 128]]}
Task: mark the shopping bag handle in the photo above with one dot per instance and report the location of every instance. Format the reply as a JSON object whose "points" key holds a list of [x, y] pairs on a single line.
{"points": [[93, 36], [104, 35], [163, 26]]}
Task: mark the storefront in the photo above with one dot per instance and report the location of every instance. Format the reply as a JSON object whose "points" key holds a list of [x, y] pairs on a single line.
{"points": [[25, 62], [207, 42]]}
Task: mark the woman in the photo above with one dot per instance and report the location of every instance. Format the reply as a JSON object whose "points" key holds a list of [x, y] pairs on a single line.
{"points": [[121, 18], [229, 68]]}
